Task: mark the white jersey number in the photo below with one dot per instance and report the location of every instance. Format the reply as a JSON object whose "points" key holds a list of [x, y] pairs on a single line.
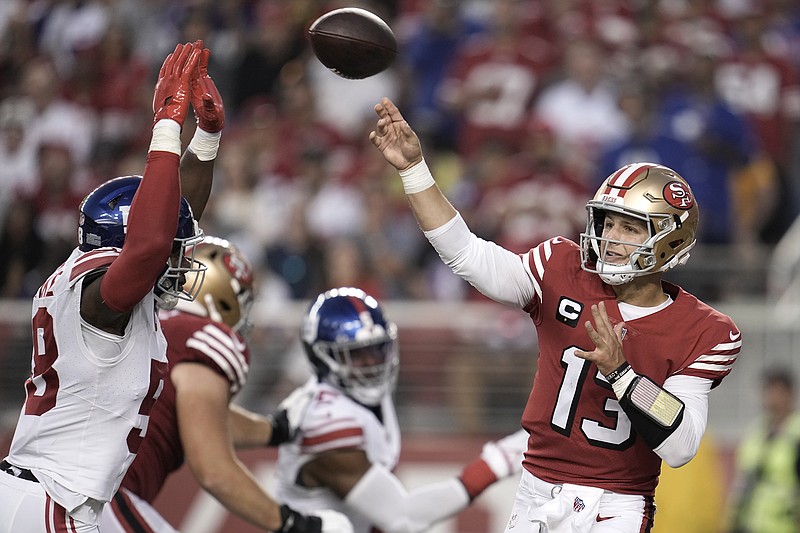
{"points": [[617, 435]]}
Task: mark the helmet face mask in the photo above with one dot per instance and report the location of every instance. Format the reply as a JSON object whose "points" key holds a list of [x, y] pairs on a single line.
{"points": [[351, 345], [660, 198], [226, 295], [103, 221]]}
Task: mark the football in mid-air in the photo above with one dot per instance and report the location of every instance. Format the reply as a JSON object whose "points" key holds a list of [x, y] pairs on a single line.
{"points": [[353, 42]]}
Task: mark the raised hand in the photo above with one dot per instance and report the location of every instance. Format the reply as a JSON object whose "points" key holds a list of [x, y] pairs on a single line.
{"points": [[171, 95], [394, 137], [607, 339], [206, 100]]}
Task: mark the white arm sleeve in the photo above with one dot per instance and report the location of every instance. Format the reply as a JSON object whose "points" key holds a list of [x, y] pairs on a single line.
{"points": [[496, 272], [381, 497], [679, 448]]}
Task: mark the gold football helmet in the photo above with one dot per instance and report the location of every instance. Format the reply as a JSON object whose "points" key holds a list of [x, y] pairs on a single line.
{"points": [[663, 200], [227, 292]]}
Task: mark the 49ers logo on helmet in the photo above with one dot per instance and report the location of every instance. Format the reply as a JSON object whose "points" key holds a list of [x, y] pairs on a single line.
{"points": [[678, 195], [239, 269]]}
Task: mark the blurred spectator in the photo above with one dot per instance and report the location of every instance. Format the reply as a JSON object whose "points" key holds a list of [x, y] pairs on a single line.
{"points": [[18, 168], [22, 250], [298, 258], [546, 202], [55, 201], [17, 43], [114, 83], [437, 33], [721, 142], [273, 40], [494, 78], [766, 90], [70, 27], [582, 107], [644, 141], [55, 119], [768, 463]]}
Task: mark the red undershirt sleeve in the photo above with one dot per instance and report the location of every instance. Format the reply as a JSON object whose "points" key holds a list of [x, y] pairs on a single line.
{"points": [[152, 224]]}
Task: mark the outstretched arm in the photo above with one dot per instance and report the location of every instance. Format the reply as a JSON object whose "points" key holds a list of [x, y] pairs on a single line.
{"points": [[197, 162], [400, 146], [201, 405], [108, 299], [378, 494]]}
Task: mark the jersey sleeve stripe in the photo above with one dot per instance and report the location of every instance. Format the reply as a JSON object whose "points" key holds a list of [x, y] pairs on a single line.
{"points": [[712, 367], [215, 356], [526, 261], [537, 262], [91, 261], [236, 347], [727, 346], [719, 358], [226, 349], [342, 438]]}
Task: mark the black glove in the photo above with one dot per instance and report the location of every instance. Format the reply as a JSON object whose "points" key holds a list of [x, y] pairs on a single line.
{"points": [[287, 417], [294, 522], [281, 432]]}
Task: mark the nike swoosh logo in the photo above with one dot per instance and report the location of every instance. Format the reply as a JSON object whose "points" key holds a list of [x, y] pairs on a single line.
{"points": [[734, 336], [556, 240], [603, 518]]}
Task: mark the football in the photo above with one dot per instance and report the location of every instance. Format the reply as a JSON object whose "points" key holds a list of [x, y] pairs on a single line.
{"points": [[353, 42]]}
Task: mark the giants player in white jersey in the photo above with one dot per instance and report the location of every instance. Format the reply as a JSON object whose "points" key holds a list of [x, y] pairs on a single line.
{"points": [[194, 421], [348, 441], [626, 359], [99, 356]]}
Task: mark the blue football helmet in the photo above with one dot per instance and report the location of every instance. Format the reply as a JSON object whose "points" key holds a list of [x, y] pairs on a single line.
{"points": [[351, 345], [103, 222]]}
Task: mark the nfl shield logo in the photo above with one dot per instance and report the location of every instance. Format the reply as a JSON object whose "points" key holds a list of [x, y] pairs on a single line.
{"points": [[578, 505]]}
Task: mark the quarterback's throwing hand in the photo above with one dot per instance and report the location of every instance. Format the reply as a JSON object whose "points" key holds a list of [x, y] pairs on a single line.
{"points": [[394, 137]]}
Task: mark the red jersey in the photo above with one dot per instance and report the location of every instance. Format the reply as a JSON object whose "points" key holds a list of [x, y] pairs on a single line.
{"points": [[190, 339], [578, 432]]}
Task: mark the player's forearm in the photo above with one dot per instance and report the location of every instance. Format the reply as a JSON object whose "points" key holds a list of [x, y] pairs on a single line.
{"points": [[151, 227], [196, 181], [234, 487], [680, 447], [381, 497], [676, 443], [248, 429]]}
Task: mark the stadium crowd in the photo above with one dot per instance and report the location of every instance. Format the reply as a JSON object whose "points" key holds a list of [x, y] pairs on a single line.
{"points": [[524, 105]]}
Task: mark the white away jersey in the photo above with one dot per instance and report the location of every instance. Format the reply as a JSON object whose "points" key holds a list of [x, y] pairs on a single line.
{"points": [[84, 417], [334, 421]]}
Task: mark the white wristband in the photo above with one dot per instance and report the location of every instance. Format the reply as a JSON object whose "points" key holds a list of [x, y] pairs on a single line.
{"points": [[621, 385], [417, 178], [166, 137], [204, 145]]}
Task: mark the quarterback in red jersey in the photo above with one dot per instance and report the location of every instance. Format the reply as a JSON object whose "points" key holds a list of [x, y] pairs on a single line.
{"points": [[194, 421], [626, 360]]}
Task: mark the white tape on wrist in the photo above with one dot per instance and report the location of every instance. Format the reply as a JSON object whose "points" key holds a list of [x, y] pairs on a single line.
{"points": [[166, 137], [204, 145], [417, 178]]}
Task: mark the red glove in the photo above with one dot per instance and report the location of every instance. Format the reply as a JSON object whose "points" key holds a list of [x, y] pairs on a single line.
{"points": [[171, 96], [498, 460], [206, 100]]}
